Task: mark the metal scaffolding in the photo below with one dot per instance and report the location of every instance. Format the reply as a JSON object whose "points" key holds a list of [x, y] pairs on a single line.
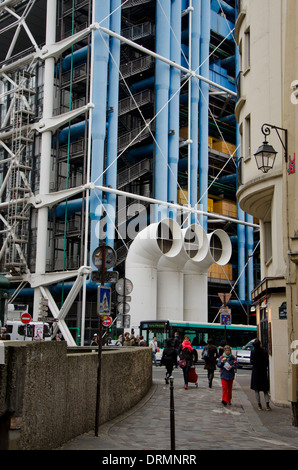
{"points": [[80, 124]]}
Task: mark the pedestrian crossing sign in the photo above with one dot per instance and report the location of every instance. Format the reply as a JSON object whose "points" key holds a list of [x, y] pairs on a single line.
{"points": [[104, 300]]}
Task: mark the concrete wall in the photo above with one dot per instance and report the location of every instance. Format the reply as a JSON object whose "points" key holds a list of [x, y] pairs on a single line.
{"points": [[48, 392]]}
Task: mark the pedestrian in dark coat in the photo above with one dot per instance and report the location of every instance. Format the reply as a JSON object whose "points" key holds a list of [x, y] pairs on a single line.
{"points": [[190, 355], [260, 373], [210, 360], [176, 343], [168, 359]]}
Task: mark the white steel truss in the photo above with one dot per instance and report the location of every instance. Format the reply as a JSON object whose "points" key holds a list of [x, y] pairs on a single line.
{"points": [[18, 131]]}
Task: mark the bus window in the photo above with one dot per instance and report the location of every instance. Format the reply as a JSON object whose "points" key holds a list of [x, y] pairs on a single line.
{"points": [[47, 330], [192, 336], [30, 331], [160, 338], [149, 331], [22, 330]]}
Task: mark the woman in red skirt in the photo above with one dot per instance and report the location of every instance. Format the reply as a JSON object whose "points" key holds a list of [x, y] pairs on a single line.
{"points": [[227, 364]]}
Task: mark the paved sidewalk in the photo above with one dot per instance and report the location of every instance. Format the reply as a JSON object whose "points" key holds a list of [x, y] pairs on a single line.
{"points": [[201, 421]]}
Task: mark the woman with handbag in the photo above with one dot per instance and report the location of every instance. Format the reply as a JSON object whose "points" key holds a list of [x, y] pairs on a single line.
{"points": [[227, 364], [188, 356]]}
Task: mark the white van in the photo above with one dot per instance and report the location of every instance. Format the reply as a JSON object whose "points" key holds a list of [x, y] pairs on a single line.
{"points": [[33, 331]]}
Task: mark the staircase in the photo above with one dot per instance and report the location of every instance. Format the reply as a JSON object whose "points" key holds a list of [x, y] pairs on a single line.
{"points": [[18, 184]]}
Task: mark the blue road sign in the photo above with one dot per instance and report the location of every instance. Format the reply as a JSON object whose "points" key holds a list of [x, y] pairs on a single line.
{"points": [[225, 319], [104, 300]]}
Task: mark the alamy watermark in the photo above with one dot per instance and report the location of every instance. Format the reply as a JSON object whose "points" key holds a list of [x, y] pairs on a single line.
{"points": [[129, 218]]}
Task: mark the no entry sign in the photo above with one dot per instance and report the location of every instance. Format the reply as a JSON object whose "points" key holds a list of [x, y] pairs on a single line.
{"points": [[26, 318], [107, 321]]}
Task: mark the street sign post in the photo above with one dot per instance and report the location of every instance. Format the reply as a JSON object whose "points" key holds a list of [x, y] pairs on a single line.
{"points": [[124, 286], [104, 257], [26, 318], [110, 276], [123, 321], [225, 312], [224, 298], [226, 318], [126, 321], [103, 300], [123, 307], [106, 321]]}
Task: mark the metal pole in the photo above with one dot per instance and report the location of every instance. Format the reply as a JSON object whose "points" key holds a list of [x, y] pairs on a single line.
{"points": [[98, 378], [172, 413], [97, 411]]}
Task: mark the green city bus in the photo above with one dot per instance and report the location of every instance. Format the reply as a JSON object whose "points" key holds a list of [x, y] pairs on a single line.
{"points": [[235, 335]]}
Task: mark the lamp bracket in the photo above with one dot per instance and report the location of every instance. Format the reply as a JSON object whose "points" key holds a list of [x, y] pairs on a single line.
{"points": [[266, 130]]}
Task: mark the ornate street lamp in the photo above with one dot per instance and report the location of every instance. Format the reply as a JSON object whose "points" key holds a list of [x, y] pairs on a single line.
{"points": [[265, 155]]}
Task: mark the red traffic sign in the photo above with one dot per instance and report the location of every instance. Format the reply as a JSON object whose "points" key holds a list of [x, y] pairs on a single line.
{"points": [[107, 321], [26, 318]]}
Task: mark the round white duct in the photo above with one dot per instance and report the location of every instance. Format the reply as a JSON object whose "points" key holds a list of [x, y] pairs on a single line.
{"points": [[219, 250], [170, 285], [170, 294], [159, 239]]}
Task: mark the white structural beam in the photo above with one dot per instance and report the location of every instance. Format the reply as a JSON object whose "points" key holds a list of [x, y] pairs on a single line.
{"points": [[46, 294], [46, 144], [192, 210], [60, 315], [164, 59]]}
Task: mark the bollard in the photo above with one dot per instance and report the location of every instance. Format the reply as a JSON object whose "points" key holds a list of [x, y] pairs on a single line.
{"points": [[172, 413]]}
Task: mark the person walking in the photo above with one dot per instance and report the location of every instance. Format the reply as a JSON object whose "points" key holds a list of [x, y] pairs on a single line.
{"points": [[221, 347], [142, 341], [227, 364], [176, 344], [260, 373], [168, 359], [188, 354], [153, 345], [94, 341], [4, 336], [126, 339], [210, 356]]}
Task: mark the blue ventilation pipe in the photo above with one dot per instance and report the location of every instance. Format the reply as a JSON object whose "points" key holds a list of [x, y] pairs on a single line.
{"points": [[250, 248], [147, 84], [175, 78], [75, 131], [112, 137], [162, 84], [195, 63], [98, 130], [77, 58], [228, 9], [204, 112]]}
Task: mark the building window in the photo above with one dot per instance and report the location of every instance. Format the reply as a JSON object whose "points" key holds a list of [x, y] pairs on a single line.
{"points": [[247, 51], [268, 241], [247, 138]]}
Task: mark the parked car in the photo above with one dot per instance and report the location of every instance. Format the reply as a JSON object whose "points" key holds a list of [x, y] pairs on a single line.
{"points": [[243, 356]]}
